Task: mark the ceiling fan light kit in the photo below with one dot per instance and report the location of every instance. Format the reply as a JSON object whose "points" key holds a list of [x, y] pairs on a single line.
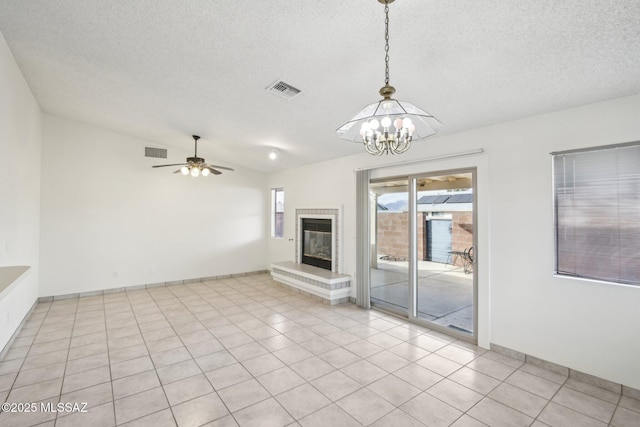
{"points": [[388, 126], [196, 166]]}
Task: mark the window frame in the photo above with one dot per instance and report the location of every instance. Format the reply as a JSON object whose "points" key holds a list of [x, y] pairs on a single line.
{"points": [[620, 279], [277, 230]]}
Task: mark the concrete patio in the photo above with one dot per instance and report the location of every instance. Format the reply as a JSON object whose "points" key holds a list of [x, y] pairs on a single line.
{"points": [[445, 292]]}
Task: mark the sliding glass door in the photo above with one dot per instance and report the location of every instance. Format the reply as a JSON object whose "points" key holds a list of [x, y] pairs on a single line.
{"points": [[423, 256], [390, 245]]}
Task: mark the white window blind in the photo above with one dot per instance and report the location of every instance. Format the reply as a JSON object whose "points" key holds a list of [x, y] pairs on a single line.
{"points": [[597, 213]]}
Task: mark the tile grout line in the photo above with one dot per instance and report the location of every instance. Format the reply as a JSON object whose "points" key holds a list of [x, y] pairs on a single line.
{"points": [[579, 412], [452, 343], [226, 349], [613, 414], [27, 355], [463, 413], [551, 399], [106, 334], [361, 386], [272, 396], [155, 368], [126, 376], [192, 358], [198, 296], [66, 362]]}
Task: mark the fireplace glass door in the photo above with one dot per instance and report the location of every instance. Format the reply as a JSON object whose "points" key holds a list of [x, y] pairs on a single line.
{"points": [[317, 242]]}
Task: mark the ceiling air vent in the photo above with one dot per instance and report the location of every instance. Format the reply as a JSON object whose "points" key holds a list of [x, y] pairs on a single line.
{"points": [[284, 90], [160, 153]]}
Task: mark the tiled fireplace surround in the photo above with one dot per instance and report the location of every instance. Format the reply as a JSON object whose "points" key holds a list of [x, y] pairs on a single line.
{"points": [[335, 216], [330, 287]]}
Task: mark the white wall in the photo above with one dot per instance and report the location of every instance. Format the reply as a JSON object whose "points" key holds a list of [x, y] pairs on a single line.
{"points": [[110, 220], [591, 327], [20, 142]]}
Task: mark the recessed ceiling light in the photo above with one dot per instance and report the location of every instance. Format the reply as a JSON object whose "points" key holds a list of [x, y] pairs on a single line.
{"points": [[273, 154]]}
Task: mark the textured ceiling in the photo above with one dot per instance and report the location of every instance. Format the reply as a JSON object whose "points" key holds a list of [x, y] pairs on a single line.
{"points": [[162, 70]]}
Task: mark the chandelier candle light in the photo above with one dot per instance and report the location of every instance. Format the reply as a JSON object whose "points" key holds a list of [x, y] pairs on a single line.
{"points": [[388, 126]]}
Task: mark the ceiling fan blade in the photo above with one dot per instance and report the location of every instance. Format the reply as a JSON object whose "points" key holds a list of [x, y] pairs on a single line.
{"points": [[178, 171], [164, 166], [212, 170], [221, 167]]}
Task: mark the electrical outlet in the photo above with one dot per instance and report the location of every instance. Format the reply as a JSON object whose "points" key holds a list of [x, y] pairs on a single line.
{"points": [[153, 269], [115, 274]]}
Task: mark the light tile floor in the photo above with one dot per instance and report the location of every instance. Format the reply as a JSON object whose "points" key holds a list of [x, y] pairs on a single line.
{"points": [[245, 351]]}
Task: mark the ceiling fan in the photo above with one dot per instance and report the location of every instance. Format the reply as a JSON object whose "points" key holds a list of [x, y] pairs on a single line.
{"points": [[195, 165]]}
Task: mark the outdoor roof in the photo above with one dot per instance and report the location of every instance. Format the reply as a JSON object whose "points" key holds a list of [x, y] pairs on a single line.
{"points": [[445, 198]]}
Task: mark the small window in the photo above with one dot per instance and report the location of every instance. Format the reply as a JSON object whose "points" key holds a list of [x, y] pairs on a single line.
{"points": [[597, 213], [277, 213]]}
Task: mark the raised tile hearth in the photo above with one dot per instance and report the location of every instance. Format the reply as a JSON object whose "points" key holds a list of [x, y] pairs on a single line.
{"points": [[332, 288]]}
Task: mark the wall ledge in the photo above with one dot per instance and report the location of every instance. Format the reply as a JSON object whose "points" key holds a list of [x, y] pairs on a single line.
{"points": [[10, 277]]}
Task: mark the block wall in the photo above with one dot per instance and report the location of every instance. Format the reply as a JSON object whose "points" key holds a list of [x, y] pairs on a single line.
{"points": [[393, 233]]}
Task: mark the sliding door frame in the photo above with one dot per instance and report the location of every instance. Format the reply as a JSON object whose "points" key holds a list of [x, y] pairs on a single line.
{"points": [[412, 312]]}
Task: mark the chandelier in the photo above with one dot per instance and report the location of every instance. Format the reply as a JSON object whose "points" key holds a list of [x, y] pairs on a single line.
{"points": [[388, 126]]}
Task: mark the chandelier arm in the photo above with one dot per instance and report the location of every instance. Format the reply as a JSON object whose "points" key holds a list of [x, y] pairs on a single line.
{"points": [[369, 149], [395, 146], [405, 146]]}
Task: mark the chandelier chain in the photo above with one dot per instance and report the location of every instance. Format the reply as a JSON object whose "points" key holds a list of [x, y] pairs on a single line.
{"points": [[386, 44]]}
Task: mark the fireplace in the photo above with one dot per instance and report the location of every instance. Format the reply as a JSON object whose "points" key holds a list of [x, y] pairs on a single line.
{"points": [[317, 243], [322, 221]]}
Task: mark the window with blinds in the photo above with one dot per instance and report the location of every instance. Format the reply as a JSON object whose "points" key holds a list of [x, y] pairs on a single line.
{"points": [[597, 213], [277, 213]]}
